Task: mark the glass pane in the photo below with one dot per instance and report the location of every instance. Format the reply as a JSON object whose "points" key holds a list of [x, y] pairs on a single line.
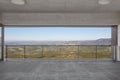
{"points": [[87, 51], [69, 52], [33, 52], [15, 52], [104, 52], [51, 52]]}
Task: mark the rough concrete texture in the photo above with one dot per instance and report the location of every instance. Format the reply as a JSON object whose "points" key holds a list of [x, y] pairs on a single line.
{"points": [[59, 70]]}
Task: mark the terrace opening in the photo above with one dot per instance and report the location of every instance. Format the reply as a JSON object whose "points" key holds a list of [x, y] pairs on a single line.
{"points": [[58, 42]]}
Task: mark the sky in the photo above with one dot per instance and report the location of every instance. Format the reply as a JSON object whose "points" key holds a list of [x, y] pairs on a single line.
{"points": [[56, 33]]}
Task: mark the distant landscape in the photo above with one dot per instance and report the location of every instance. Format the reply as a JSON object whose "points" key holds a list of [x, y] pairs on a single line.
{"points": [[102, 41], [59, 49]]}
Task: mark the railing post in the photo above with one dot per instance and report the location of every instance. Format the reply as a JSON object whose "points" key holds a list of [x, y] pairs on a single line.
{"points": [[112, 53], [42, 51], [96, 52], [24, 51], [6, 52], [60, 50], [78, 52]]}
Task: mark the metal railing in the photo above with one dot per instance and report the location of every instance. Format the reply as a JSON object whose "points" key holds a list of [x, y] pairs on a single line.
{"points": [[58, 51]]}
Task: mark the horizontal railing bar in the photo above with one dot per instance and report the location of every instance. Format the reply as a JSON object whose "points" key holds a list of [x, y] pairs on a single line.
{"points": [[58, 45]]}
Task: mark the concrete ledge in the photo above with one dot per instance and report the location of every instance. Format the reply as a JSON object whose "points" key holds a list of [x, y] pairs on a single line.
{"points": [[61, 60]]}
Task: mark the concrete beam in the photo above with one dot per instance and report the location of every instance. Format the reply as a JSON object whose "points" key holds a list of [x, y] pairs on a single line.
{"points": [[61, 18]]}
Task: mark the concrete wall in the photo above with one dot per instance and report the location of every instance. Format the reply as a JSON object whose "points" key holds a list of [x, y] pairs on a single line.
{"points": [[61, 18], [118, 46]]}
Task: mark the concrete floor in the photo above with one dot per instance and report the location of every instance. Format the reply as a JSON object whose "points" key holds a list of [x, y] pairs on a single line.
{"points": [[59, 70]]}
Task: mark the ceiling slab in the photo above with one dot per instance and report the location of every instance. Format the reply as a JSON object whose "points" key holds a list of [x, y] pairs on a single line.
{"points": [[60, 6]]}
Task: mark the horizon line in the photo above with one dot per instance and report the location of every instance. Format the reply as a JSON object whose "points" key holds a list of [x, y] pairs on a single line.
{"points": [[58, 40]]}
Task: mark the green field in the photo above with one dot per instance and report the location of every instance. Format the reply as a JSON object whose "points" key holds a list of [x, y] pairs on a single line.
{"points": [[61, 52]]}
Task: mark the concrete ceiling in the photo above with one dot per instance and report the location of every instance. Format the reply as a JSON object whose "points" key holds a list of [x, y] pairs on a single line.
{"points": [[60, 6]]}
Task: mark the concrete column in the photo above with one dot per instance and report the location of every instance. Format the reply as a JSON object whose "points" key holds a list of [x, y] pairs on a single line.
{"points": [[118, 46], [0, 18], [114, 42]]}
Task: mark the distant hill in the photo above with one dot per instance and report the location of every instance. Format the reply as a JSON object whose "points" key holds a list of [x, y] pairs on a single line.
{"points": [[102, 41]]}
